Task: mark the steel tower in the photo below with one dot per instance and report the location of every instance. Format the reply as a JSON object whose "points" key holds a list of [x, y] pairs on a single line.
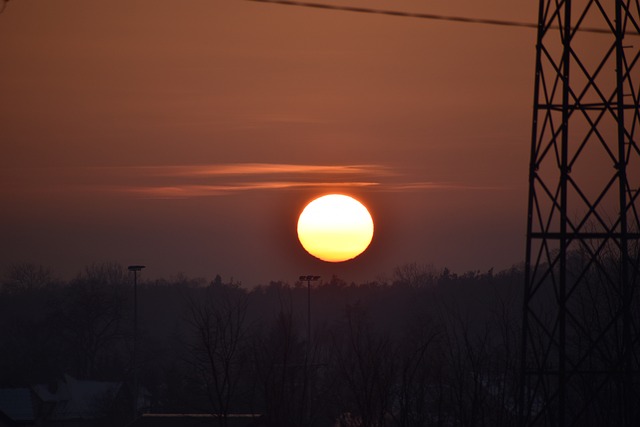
{"points": [[581, 314]]}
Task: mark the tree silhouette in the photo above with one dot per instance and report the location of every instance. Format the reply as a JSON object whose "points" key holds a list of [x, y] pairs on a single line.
{"points": [[219, 348], [366, 362], [90, 312]]}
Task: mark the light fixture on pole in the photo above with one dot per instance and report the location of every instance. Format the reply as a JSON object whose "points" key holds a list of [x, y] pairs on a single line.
{"points": [[307, 393], [309, 279]]}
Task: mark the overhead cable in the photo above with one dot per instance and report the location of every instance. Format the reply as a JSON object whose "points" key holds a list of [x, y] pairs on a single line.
{"points": [[431, 16]]}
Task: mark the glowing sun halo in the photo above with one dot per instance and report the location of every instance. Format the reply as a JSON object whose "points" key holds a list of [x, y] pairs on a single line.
{"points": [[335, 228]]}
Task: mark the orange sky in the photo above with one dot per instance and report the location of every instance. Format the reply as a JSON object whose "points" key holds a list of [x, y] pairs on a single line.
{"points": [[188, 136]]}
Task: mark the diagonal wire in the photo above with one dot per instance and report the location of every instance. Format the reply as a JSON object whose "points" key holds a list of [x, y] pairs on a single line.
{"points": [[431, 16]]}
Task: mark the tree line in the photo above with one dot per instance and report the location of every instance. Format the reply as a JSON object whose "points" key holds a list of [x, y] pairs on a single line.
{"points": [[421, 347]]}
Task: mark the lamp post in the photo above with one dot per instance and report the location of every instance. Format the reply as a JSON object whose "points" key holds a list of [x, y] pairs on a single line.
{"points": [[309, 279], [307, 393], [135, 269]]}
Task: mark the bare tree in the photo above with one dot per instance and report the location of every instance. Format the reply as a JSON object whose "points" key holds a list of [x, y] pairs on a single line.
{"points": [[280, 367], [502, 381], [105, 273], [366, 363], [468, 359], [415, 403], [26, 277], [219, 348], [415, 275], [90, 313]]}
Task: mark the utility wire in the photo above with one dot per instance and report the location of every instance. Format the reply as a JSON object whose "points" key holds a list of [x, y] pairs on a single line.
{"points": [[423, 15]]}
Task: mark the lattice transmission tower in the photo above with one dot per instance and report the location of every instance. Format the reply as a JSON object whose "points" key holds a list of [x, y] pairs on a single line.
{"points": [[581, 317]]}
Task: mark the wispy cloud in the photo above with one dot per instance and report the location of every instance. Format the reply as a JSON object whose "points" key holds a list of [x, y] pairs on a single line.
{"points": [[188, 181], [429, 185], [222, 179], [184, 191], [263, 169]]}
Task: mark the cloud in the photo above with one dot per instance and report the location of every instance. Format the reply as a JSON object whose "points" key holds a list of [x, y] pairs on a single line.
{"points": [[428, 185], [188, 181], [222, 179], [263, 169], [186, 191]]}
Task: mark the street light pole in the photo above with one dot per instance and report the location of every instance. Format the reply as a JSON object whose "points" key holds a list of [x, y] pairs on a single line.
{"points": [[307, 394], [135, 269], [309, 279]]}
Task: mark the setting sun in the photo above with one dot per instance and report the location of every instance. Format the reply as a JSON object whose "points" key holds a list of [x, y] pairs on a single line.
{"points": [[335, 228]]}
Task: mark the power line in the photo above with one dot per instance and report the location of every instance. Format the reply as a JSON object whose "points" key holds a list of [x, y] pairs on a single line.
{"points": [[430, 16], [398, 13]]}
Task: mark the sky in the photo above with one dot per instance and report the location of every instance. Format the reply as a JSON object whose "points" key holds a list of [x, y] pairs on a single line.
{"points": [[188, 136]]}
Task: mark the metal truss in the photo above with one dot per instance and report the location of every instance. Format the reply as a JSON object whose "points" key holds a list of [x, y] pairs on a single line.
{"points": [[581, 314]]}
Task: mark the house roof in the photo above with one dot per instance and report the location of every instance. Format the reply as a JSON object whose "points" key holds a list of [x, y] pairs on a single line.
{"points": [[16, 404], [77, 399]]}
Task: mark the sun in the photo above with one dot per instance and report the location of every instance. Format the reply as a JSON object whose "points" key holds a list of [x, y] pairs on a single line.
{"points": [[335, 228]]}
